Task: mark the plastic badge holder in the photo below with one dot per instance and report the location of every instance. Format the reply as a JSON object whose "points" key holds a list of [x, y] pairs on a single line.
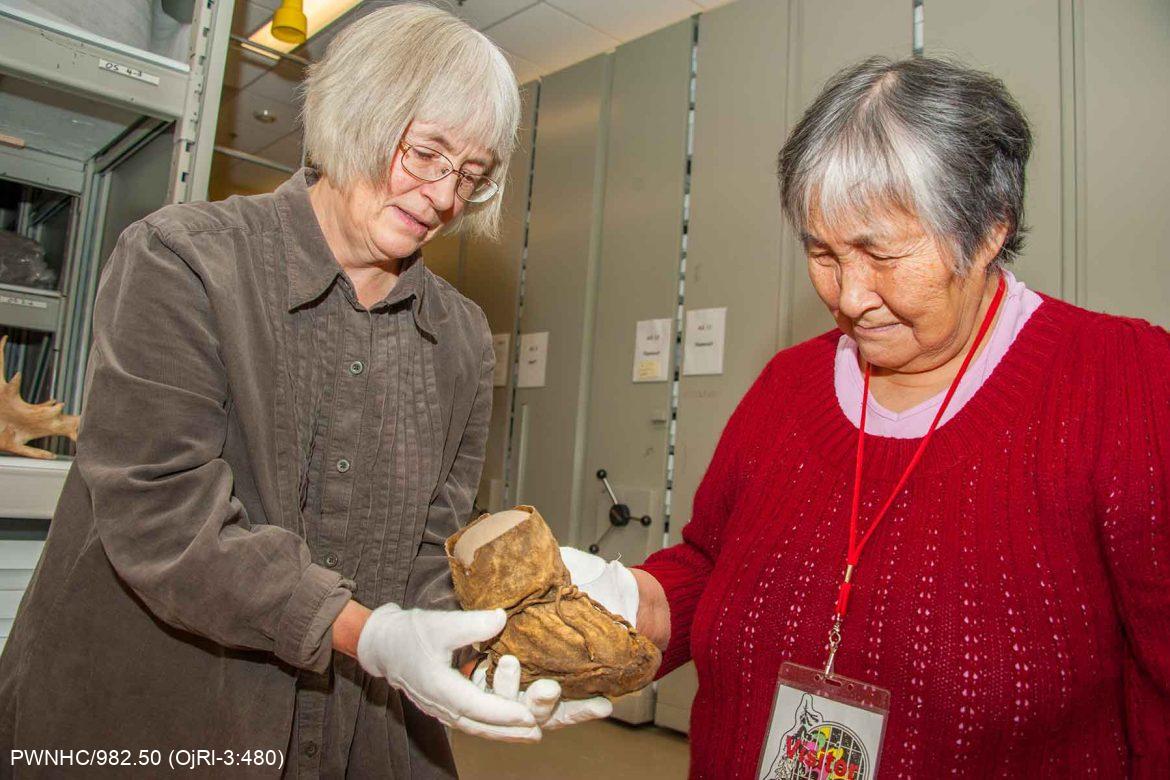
{"points": [[823, 728]]}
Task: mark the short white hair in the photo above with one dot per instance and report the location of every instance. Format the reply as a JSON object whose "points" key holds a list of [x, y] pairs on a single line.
{"points": [[398, 64], [929, 136]]}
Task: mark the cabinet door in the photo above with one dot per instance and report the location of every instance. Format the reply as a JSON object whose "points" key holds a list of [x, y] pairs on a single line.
{"points": [[1125, 260], [733, 245], [491, 277], [638, 280], [560, 281]]}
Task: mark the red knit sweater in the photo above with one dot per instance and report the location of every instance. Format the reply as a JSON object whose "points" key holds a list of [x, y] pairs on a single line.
{"points": [[1014, 601]]}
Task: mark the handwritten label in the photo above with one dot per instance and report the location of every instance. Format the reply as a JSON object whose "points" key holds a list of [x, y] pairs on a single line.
{"points": [[29, 303], [652, 347], [126, 70]]}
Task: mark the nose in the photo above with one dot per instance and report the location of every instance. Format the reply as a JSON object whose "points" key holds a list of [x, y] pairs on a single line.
{"points": [[441, 193], [858, 295]]}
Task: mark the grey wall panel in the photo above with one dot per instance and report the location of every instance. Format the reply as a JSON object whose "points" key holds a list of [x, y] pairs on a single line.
{"points": [[1019, 42], [491, 278], [560, 289], [733, 244], [641, 241], [1126, 168], [828, 35]]}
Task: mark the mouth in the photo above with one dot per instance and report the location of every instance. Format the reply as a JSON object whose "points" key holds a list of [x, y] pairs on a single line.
{"points": [[413, 223], [874, 330]]}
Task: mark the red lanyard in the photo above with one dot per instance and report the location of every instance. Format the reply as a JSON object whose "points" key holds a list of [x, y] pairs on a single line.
{"points": [[857, 545]]}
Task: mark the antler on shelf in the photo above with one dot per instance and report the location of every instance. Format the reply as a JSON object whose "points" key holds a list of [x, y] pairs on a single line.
{"points": [[21, 422]]}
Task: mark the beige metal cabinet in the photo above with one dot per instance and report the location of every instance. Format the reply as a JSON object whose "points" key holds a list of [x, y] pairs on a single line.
{"points": [[733, 244], [491, 277], [560, 285], [1123, 253], [628, 421]]}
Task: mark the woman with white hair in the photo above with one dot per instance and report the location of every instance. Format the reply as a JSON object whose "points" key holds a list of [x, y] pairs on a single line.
{"points": [[286, 418], [953, 508]]}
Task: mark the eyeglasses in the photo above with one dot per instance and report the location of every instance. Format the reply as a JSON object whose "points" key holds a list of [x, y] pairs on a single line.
{"points": [[429, 165]]}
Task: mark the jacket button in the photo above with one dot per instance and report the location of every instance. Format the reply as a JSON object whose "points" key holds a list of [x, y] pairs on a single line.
{"points": [[356, 367], [310, 749], [331, 560], [343, 465]]}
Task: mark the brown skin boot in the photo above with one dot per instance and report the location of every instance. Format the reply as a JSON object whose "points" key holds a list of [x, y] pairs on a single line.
{"points": [[511, 561]]}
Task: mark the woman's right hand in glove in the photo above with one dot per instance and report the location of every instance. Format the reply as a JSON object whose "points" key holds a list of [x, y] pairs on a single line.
{"points": [[413, 648]]}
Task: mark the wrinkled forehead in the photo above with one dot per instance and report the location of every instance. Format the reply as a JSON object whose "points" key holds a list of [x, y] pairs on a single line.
{"points": [[452, 141], [860, 222]]}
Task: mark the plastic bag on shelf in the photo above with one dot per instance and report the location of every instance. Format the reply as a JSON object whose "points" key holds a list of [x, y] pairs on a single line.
{"points": [[22, 262]]}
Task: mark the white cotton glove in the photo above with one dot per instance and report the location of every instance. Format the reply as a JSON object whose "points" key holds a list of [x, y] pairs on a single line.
{"points": [[610, 584], [542, 698], [412, 650]]}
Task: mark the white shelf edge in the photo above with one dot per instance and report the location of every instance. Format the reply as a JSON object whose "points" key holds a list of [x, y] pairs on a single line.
{"points": [[30, 488]]}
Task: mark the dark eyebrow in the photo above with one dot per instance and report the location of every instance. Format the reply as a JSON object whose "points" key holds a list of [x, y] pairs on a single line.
{"points": [[807, 238]]}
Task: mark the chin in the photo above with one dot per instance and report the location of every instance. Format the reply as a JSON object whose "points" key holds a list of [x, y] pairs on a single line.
{"points": [[396, 244], [887, 356]]}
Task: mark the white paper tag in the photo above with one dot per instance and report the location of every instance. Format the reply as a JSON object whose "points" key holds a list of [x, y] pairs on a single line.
{"points": [[126, 70], [533, 359], [652, 345], [705, 333], [823, 731], [501, 343]]}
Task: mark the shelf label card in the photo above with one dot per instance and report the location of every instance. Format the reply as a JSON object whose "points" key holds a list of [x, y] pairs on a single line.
{"points": [[705, 333], [652, 346], [533, 359], [501, 343]]}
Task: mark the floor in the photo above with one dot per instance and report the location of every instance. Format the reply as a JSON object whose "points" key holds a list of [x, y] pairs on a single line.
{"points": [[599, 749]]}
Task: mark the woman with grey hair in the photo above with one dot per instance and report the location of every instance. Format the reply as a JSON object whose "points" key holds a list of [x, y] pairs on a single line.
{"points": [[946, 521], [286, 418]]}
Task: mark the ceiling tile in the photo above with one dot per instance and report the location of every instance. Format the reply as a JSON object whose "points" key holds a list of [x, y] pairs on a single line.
{"points": [[485, 13], [624, 20], [549, 38], [243, 67], [281, 82], [525, 71], [286, 150], [239, 129]]}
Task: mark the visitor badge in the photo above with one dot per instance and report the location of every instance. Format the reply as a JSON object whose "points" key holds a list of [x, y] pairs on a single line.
{"points": [[823, 728]]}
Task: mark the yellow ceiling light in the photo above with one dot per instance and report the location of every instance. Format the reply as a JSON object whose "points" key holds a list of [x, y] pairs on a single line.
{"points": [[289, 23], [313, 17]]}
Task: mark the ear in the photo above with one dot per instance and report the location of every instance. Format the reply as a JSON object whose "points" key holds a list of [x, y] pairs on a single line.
{"points": [[991, 246]]}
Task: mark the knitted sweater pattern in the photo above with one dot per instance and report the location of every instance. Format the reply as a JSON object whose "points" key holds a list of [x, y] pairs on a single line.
{"points": [[1015, 599]]}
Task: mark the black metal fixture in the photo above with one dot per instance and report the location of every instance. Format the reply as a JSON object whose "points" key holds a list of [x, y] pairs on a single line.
{"points": [[619, 513]]}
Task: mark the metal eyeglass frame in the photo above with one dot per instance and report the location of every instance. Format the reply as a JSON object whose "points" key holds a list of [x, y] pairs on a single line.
{"points": [[405, 147]]}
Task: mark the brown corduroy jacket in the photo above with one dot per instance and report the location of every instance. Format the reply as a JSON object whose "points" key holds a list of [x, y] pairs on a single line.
{"points": [[184, 594]]}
